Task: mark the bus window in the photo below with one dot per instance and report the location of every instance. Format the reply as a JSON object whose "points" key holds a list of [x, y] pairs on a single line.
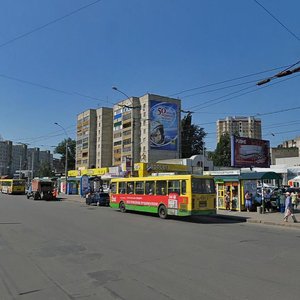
{"points": [[183, 187], [161, 187], [174, 186], [130, 188], [203, 186], [139, 187], [150, 187], [113, 187], [122, 187]]}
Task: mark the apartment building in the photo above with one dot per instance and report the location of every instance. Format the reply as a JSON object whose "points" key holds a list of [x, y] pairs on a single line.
{"points": [[104, 137], [243, 126], [19, 157], [5, 158], [86, 139], [146, 129], [33, 160], [46, 158], [94, 138]]}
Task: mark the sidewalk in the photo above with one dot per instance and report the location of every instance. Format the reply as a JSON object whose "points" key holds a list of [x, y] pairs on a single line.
{"points": [[268, 218]]}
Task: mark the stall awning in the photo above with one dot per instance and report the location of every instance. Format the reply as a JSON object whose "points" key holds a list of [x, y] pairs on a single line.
{"points": [[260, 176], [219, 179]]}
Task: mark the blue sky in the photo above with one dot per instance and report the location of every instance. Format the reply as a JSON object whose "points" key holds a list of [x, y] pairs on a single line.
{"points": [[166, 47]]}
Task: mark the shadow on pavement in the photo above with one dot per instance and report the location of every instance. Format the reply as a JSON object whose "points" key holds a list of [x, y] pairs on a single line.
{"points": [[216, 219]]}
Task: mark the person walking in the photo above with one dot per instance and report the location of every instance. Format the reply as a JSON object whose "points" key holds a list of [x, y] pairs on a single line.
{"points": [[248, 201], [227, 201], [294, 197], [289, 208]]}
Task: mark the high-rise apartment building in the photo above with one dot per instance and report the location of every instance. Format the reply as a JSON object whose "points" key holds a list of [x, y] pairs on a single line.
{"points": [[146, 129], [94, 138], [104, 137], [242, 126], [86, 139], [19, 157], [33, 160], [5, 158]]}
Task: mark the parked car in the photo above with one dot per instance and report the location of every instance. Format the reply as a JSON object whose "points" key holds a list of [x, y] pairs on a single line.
{"points": [[98, 198]]}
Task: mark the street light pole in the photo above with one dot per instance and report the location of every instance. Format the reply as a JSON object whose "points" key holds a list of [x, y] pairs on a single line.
{"points": [[66, 156], [132, 131]]}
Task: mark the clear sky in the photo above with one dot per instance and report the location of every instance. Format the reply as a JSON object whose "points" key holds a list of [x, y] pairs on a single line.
{"points": [[165, 47]]}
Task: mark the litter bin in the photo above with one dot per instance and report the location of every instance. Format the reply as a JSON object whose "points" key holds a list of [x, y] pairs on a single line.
{"points": [[259, 209]]}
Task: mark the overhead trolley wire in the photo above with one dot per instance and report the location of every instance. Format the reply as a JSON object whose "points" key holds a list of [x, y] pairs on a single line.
{"points": [[21, 36], [277, 20]]}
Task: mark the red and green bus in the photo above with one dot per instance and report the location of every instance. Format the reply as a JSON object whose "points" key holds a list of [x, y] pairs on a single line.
{"points": [[179, 195]]}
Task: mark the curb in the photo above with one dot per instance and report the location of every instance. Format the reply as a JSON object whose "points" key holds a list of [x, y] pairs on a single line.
{"points": [[292, 225]]}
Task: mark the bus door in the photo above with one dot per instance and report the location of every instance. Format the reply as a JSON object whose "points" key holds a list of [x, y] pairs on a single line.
{"points": [[221, 192]]}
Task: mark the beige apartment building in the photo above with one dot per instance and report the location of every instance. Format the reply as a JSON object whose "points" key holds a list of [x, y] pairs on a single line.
{"points": [[86, 139], [137, 129], [94, 138], [104, 137], [146, 129], [243, 126]]}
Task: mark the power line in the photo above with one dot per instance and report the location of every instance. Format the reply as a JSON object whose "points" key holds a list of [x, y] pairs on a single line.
{"points": [[49, 23], [225, 81], [50, 88], [255, 90], [277, 20]]}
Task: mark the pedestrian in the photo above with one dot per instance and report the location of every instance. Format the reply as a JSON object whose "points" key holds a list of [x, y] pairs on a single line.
{"points": [[294, 197], [248, 201], [268, 205], [288, 208], [227, 201]]}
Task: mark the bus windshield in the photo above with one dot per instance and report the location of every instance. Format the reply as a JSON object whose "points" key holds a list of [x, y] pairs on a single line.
{"points": [[203, 186]]}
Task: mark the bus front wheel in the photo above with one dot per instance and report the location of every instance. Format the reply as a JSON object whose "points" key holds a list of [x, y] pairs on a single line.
{"points": [[162, 212], [122, 207]]}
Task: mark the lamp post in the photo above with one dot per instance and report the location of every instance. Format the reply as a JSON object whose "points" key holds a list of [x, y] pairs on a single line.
{"points": [[132, 131], [66, 156]]}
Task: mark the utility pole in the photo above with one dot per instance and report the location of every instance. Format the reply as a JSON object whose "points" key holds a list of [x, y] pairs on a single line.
{"points": [[20, 166], [66, 156]]}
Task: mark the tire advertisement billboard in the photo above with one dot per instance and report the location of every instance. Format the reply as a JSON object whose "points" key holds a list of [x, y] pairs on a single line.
{"points": [[247, 152], [164, 128]]}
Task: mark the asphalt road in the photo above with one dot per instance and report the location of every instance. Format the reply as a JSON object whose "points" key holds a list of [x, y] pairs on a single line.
{"points": [[66, 250]]}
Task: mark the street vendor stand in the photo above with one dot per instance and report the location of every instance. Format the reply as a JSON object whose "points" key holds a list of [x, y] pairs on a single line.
{"points": [[237, 185]]}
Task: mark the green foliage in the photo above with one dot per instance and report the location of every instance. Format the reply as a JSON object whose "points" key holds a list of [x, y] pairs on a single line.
{"points": [[45, 170], [192, 136], [222, 154], [61, 149]]}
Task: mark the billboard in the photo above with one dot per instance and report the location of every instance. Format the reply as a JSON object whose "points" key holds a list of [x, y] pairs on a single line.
{"points": [[164, 128], [247, 152]]}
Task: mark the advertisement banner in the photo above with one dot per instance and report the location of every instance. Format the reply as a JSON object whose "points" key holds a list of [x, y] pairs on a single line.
{"points": [[164, 129], [247, 152]]}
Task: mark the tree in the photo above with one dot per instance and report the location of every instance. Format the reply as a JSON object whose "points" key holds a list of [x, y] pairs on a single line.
{"points": [[222, 154], [45, 170], [191, 137], [61, 149]]}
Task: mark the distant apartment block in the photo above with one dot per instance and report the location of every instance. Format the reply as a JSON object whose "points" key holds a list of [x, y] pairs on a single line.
{"points": [[5, 158], [94, 138], [19, 158], [243, 126], [46, 158], [33, 160], [292, 144]]}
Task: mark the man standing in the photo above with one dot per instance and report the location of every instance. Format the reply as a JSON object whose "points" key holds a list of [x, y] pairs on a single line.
{"points": [[288, 208]]}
